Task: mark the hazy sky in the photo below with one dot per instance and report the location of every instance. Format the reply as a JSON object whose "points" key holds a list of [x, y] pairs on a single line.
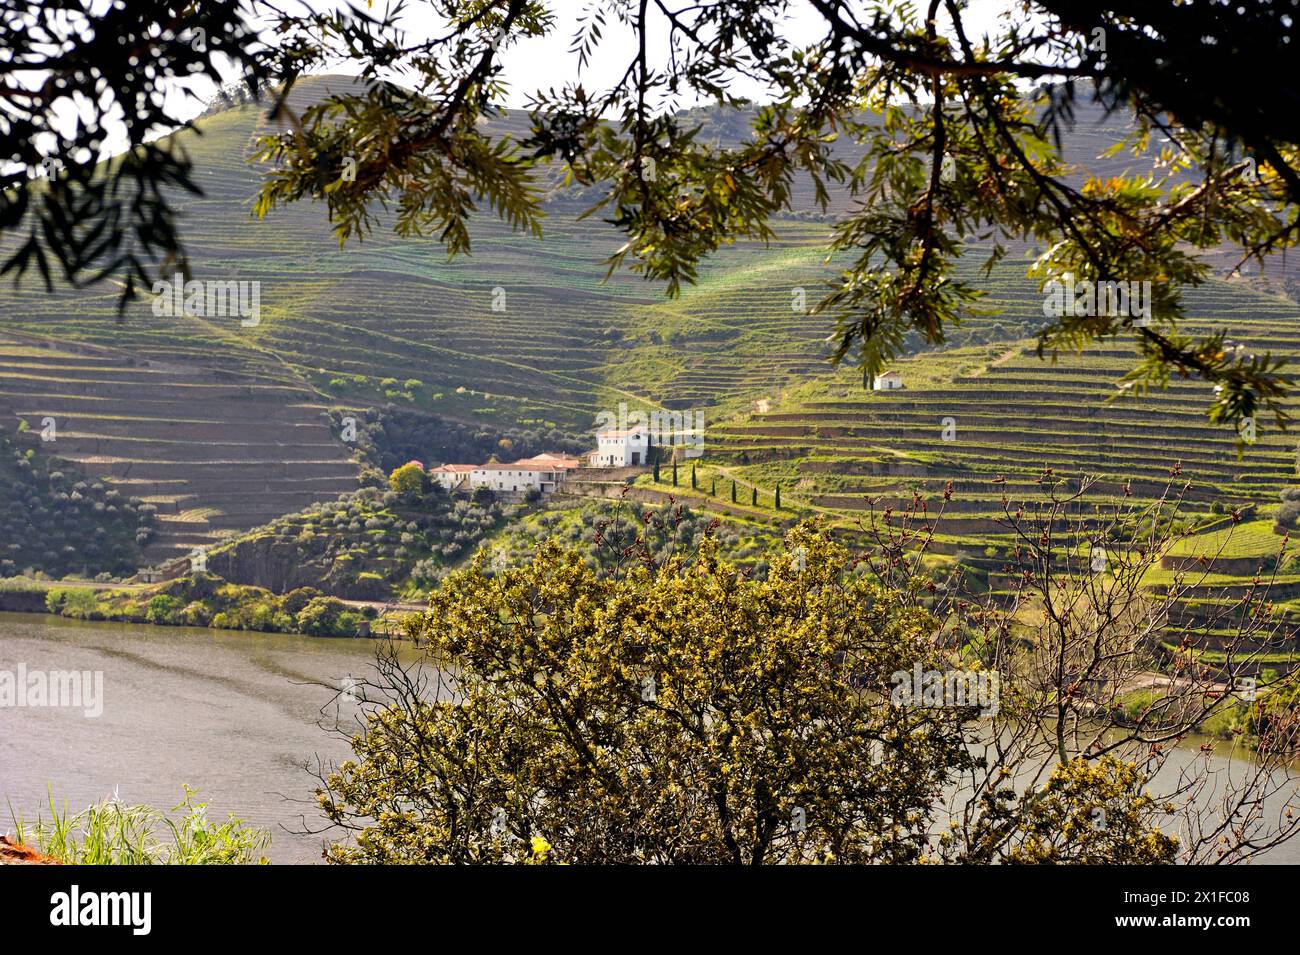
{"points": [[545, 62]]}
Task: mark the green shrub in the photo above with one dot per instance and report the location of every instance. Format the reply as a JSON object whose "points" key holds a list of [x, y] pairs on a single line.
{"points": [[327, 617], [1139, 703], [196, 614], [262, 616], [162, 609], [77, 602], [408, 480], [54, 599], [1287, 513]]}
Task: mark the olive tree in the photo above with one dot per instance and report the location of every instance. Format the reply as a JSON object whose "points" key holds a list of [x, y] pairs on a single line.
{"points": [[681, 712]]}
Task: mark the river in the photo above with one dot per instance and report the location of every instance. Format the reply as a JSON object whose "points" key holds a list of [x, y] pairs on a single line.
{"points": [[234, 715]]}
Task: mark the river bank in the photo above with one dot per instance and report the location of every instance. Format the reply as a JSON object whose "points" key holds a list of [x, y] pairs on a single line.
{"points": [[206, 600], [245, 718]]}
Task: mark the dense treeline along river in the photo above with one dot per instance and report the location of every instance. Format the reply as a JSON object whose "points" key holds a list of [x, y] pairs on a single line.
{"points": [[235, 715]]}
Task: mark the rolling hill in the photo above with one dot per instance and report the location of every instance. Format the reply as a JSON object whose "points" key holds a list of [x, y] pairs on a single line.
{"points": [[224, 426]]}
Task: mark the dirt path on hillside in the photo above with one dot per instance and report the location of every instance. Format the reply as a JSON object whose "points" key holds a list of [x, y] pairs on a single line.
{"points": [[998, 362]]}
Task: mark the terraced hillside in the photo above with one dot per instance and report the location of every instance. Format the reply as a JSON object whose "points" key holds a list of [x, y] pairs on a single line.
{"points": [[214, 451], [222, 424], [997, 412], [521, 331]]}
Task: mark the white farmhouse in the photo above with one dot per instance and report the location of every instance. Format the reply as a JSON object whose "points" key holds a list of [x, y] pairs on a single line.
{"points": [[557, 464], [887, 382], [502, 477], [544, 472], [450, 476], [620, 449]]}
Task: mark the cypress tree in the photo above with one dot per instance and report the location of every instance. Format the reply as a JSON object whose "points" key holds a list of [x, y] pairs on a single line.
{"points": [[694, 484], [753, 496], [733, 492], [674, 472], [713, 488], [778, 495], [656, 470]]}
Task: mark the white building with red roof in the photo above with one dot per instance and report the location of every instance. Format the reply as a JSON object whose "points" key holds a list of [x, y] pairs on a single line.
{"points": [[543, 471], [450, 476]]}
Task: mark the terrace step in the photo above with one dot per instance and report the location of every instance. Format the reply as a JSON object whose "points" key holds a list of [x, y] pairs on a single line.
{"points": [[76, 445], [216, 452]]}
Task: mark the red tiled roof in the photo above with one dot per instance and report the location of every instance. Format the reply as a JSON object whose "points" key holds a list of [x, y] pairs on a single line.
{"points": [[540, 462], [525, 465], [548, 461]]}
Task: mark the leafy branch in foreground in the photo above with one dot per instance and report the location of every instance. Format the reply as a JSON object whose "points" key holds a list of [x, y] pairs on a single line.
{"points": [[76, 78]]}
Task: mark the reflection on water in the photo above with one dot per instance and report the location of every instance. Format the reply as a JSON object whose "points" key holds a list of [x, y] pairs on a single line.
{"points": [[234, 715]]}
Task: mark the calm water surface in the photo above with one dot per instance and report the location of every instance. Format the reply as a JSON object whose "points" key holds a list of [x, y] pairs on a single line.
{"points": [[235, 715]]}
